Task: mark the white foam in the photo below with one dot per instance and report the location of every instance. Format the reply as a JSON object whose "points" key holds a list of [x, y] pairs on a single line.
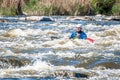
{"points": [[15, 33], [65, 68], [67, 54], [104, 40], [69, 44], [38, 66]]}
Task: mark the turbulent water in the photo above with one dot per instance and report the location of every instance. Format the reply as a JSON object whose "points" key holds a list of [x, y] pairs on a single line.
{"points": [[34, 50]]}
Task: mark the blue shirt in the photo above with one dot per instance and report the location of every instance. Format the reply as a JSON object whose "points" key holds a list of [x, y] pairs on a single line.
{"points": [[81, 35]]}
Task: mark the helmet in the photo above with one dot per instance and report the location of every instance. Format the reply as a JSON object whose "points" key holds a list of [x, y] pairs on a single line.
{"points": [[79, 26]]}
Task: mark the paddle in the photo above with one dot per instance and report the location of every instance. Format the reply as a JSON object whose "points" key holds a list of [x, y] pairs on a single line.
{"points": [[54, 37], [91, 40]]}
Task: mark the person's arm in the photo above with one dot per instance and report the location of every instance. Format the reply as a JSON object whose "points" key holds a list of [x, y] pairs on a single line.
{"points": [[73, 35], [83, 35]]}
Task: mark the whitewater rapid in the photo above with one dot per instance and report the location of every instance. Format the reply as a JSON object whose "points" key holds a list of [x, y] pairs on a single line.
{"points": [[35, 49]]}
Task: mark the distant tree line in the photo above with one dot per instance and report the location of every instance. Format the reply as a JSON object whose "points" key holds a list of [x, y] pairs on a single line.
{"points": [[59, 7]]}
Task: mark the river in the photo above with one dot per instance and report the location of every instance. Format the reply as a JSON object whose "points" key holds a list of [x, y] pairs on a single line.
{"points": [[40, 50]]}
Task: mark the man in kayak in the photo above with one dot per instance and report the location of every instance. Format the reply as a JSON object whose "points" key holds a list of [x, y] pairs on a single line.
{"points": [[78, 33]]}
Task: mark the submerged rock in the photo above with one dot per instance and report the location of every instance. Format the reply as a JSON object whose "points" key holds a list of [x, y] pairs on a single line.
{"points": [[95, 18], [46, 19], [36, 18], [12, 61], [112, 18], [68, 74], [79, 18], [108, 65], [117, 18], [4, 20]]}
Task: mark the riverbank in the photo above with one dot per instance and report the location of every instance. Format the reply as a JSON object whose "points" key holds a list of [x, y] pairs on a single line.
{"points": [[62, 7]]}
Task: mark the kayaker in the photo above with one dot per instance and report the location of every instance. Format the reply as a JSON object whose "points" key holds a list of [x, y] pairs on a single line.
{"points": [[78, 33]]}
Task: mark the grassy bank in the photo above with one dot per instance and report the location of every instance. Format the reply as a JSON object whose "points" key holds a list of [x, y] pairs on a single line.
{"points": [[11, 7], [59, 7], [65, 7]]}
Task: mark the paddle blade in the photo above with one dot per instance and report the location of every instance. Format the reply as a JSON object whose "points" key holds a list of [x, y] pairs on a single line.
{"points": [[91, 40]]}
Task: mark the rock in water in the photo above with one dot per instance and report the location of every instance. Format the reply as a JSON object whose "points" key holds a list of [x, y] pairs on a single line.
{"points": [[12, 61]]}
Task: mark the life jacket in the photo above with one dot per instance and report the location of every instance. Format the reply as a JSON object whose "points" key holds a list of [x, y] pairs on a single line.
{"points": [[80, 35]]}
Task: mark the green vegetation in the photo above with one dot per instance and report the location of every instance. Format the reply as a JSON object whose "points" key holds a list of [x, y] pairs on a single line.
{"points": [[10, 7], [8, 12], [103, 6], [116, 9], [60, 7]]}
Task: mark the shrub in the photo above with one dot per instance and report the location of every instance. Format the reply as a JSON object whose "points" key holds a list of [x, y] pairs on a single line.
{"points": [[102, 6], [116, 9], [31, 3], [8, 12], [10, 7], [50, 9]]}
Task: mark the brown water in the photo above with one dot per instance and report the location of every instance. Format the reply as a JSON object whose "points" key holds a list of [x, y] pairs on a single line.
{"points": [[33, 50]]}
